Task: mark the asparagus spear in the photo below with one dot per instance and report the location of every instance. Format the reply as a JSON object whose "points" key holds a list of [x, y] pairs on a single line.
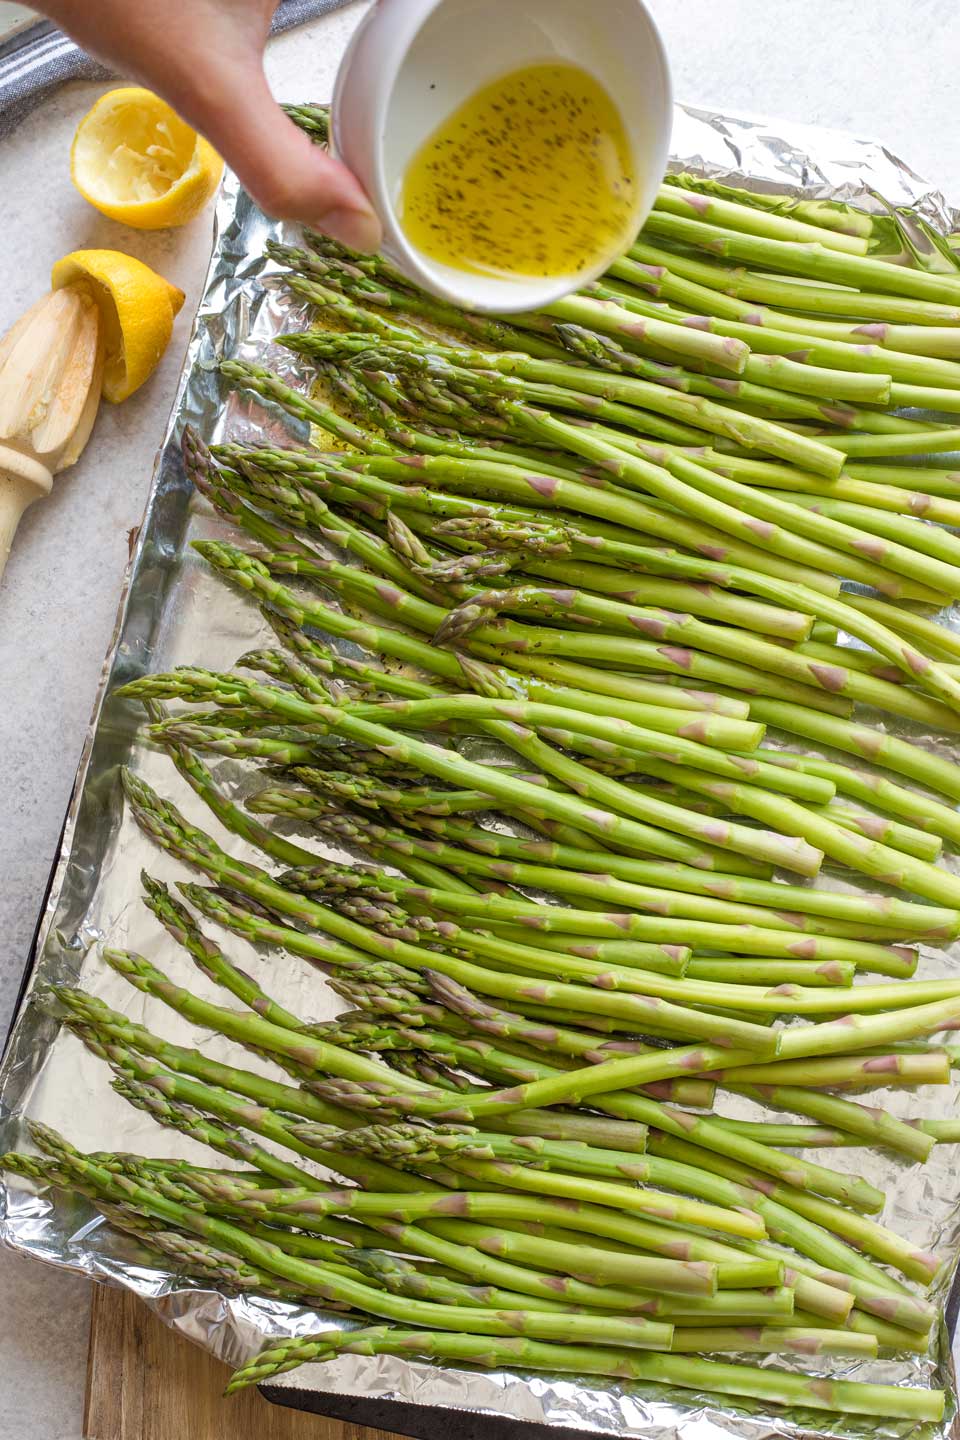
{"points": [[811, 260], [434, 760], [772, 1385], [250, 574], [846, 616], [521, 1165], [658, 270], [719, 209], [330, 880], [866, 1234], [584, 1194], [316, 1278], [320, 262], [651, 696], [492, 853], [158, 1096], [396, 480], [97, 1017], [883, 1129]]}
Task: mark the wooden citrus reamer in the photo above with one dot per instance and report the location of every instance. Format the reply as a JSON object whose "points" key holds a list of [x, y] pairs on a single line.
{"points": [[51, 373]]}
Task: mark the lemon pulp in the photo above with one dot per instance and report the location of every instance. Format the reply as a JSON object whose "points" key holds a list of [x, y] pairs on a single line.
{"points": [[138, 162], [142, 154], [533, 175]]}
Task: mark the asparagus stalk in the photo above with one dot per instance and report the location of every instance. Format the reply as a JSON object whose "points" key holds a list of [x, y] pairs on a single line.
{"points": [[828, 214], [928, 540], [927, 442], [787, 529], [858, 851], [849, 616], [544, 1168], [209, 958], [589, 1190], [185, 1104], [426, 616], [882, 1128], [774, 383], [864, 1233], [535, 1291], [395, 479], [493, 854], [166, 825], [316, 1278], [97, 1017], [306, 1049], [308, 1209], [434, 760], [649, 265], [301, 1205], [886, 751], [192, 1257], [384, 913], [695, 410], [603, 890], [687, 631], [402, 1278], [386, 1270], [313, 119], [944, 1132], [333, 302], [751, 940], [384, 290], [774, 1386], [692, 410], [928, 1067], [772, 1340], [650, 696], [900, 496], [815, 1177], [392, 643], [844, 356], [811, 260], [228, 1139], [926, 480], [158, 1095], [731, 215], [918, 843], [250, 574], [438, 709], [511, 987]]}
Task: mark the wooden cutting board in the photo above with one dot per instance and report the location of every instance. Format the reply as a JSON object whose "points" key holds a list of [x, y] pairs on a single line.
{"points": [[144, 1382]]}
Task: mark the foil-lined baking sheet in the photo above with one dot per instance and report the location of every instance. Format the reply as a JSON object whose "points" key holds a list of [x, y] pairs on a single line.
{"points": [[174, 611]]}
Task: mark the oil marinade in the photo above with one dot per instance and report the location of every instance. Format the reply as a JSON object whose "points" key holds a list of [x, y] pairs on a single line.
{"points": [[533, 175]]}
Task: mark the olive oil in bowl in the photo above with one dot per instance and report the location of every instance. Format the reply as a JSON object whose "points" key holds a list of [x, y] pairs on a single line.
{"points": [[532, 176]]}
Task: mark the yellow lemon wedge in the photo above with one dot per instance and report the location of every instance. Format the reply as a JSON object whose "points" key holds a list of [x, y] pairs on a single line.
{"points": [[137, 307], [138, 162]]}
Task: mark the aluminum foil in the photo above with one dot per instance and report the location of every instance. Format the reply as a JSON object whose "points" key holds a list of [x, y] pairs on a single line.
{"points": [[174, 611]]}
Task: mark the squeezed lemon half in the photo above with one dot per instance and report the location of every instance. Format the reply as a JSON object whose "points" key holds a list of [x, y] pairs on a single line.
{"points": [[138, 162]]}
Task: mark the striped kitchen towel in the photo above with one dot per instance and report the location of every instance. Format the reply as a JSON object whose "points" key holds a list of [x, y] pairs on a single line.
{"points": [[35, 60]]}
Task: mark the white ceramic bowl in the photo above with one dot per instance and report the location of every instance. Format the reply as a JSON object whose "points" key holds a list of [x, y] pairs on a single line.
{"points": [[411, 63]]}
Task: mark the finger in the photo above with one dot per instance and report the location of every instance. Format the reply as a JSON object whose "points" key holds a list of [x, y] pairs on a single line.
{"points": [[286, 173]]}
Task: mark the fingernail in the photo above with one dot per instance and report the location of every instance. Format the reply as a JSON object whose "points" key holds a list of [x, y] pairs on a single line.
{"points": [[357, 229]]}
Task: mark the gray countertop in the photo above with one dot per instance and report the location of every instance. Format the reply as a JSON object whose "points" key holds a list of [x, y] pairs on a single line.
{"points": [[878, 68]]}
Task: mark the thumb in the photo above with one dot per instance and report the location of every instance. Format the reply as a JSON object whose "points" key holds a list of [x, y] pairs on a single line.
{"points": [[286, 173]]}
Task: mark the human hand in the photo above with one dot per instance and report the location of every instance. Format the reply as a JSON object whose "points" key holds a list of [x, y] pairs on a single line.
{"points": [[205, 57]]}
